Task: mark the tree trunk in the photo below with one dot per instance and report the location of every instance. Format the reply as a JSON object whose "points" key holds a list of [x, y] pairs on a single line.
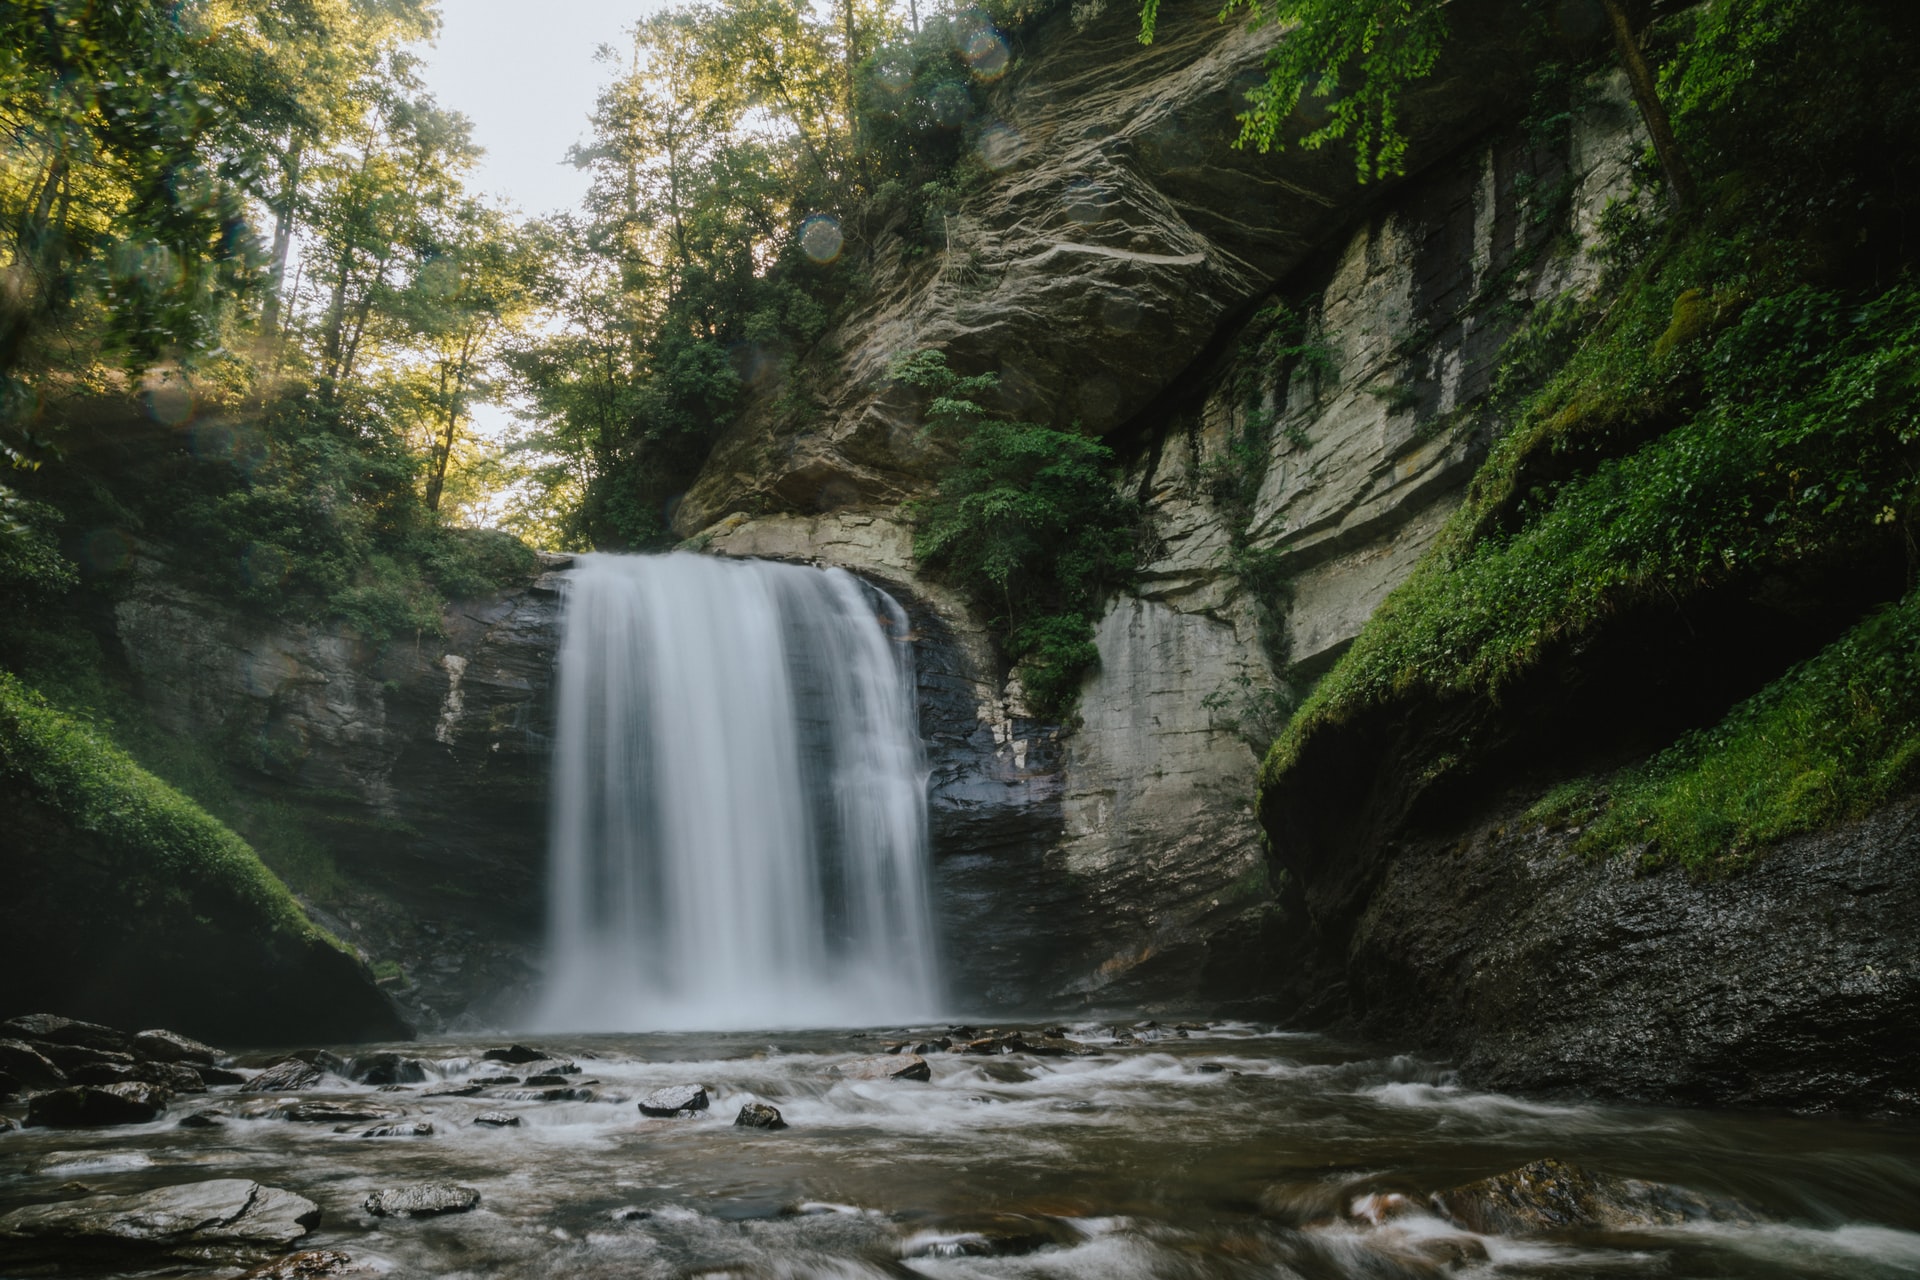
{"points": [[1647, 95], [282, 243]]}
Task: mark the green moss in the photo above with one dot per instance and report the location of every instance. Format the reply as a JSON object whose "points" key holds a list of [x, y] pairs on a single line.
{"points": [[1804, 445], [1828, 741], [164, 846]]}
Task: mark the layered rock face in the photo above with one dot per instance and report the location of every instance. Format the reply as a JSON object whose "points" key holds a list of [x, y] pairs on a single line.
{"points": [[1787, 985], [418, 767], [1118, 860]]}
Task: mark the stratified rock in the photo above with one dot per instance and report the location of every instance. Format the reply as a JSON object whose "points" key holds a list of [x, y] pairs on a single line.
{"points": [[159, 1045], [29, 1066], [759, 1115], [497, 1119], [402, 1129], [422, 1201], [387, 1068], [905, 1066], [71, 1057], [287, 1076], [223, 1217], [466, 1090], [674, 1100], [168, 1075], [1552, 1195], [90, 1106], [52, 1029], [304, 1265], [318, 1112]]}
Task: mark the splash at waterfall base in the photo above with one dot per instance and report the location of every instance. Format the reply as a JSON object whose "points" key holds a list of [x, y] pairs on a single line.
{"points": [[739, 832]]}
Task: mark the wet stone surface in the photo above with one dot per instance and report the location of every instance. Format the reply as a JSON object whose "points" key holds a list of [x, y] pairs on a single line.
{"points": [[1233, 1151]]}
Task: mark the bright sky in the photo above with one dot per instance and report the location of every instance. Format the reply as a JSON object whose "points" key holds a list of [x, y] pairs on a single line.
{"points": [[524, 73]]}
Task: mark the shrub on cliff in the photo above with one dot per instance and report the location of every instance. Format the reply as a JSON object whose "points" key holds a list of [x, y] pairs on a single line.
{"points": [[1028, 521]]}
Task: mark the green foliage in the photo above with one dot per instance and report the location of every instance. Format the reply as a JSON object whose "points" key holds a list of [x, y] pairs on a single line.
{"points": [[166, 848], [1029, 522], [1351, 60], [1828, 741], [1749, 401], [31, 566]]}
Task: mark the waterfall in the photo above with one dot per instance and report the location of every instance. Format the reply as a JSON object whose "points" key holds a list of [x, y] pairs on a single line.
{"points": [[739, 829]]}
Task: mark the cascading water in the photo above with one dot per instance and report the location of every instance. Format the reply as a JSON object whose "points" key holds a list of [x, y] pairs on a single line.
{"points": [[739, 802]]}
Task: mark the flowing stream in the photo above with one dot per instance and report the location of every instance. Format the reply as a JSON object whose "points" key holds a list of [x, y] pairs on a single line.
{"points": [[739, 801], [1234, 1151]]}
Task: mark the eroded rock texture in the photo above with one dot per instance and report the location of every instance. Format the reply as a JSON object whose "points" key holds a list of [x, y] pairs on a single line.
{"points": [[1788, 983]]}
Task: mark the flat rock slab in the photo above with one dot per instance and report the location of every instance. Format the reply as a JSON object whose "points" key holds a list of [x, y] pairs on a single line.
{"points": [[497, 1119], [897, 1066], [404, 1129], [290, 1076], [423, 1201], [454, 1090], [91, 1106], [219, 1215], [674, 1100], [335, 1112]]}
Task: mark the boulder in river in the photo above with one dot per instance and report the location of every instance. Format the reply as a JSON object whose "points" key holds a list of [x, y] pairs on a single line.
{"points": [[422, 1201], [289, 1075], [214, 1076], [400, 1129], [759, 1115], [497, 1119], [329, 1112], [90, 1106], [1552, 1195], [675, 1100], [222, 1218], [25, 1063], [904, 1066], [159, 1045], [518, 1053], [387, 1068], [205, 1118], [51, 1029]]}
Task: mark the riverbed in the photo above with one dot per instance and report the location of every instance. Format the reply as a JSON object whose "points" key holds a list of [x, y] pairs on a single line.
{"points": [[1229, 1150]]}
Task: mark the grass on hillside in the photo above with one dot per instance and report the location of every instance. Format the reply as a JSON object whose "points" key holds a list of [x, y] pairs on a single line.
{"points": [[168, 848], [1828, 741]]}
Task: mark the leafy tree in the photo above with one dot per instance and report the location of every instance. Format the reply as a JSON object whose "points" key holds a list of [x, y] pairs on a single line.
{"points": [[1358, 57]]}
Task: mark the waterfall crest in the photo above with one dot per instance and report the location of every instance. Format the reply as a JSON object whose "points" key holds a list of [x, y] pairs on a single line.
{"points": [[739, 818]]}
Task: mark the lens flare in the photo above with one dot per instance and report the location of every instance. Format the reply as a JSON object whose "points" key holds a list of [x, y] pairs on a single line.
{"points": [[1000, 147], [987, 53], [821, 238]]}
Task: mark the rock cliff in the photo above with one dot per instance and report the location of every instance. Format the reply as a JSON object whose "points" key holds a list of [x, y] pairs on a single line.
{"points": [[1125, 270], [417, 766]]}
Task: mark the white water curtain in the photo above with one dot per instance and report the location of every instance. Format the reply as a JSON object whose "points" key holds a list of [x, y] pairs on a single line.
{"points": [[739, 831]]}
